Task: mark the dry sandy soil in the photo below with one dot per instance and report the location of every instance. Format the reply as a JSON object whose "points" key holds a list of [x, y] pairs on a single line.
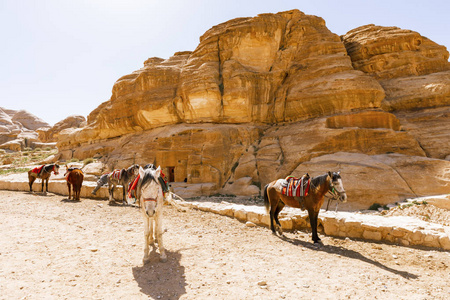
{"points": [[51, 248]]}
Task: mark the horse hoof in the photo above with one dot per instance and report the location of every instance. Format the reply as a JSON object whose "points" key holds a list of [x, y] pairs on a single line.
{"points": [[163, 259], [146, 261]]}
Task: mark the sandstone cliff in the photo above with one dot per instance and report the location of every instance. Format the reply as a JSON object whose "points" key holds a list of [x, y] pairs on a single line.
{"points": [[279, 94]]}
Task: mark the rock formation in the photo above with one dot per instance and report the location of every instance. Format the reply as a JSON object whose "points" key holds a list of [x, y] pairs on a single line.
{"points": [[18, 129], [50, 134], [279, 94]]}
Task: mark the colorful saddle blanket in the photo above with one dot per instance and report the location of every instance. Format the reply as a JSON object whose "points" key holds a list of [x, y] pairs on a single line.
{"points": [[132, 186], [116, 174], [296, 187]]}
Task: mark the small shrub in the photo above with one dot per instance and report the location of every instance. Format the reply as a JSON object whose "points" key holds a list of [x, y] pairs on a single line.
{"points": [[74, 160], [27, 149], [375, 206], [48, 149], [88, 161]]}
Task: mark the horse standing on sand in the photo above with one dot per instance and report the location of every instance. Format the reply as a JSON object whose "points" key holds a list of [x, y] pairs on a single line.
{"points": [[74, 178], [121, 177], [275, 201], [150, 195], [43, 172]]}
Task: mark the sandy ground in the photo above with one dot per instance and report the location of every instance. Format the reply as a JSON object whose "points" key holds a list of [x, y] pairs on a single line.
{"points": [[51, 248]]}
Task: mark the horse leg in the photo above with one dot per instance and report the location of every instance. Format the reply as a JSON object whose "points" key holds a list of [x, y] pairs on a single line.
{"points": [[146, 258], [69, 188], [42, 183], [111, 193], [159, 234], [31, 179], [278, 209], [313, 222], [125, 187]]}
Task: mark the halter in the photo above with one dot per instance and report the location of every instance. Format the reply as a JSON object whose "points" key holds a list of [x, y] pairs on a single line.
{"points": [[149, 199], [335, 194], [53, 170]]}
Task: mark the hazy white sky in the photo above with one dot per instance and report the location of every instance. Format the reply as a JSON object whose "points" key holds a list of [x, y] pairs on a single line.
{"points": [[61, 57]]}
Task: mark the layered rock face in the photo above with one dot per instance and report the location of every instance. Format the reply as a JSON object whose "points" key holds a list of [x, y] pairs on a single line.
{"points": [[276, 95], [18, 129], [50, 134]]}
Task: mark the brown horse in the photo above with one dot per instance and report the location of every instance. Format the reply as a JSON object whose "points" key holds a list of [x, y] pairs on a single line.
{"points": [[74, 178], [275, 201], [43, 173]]}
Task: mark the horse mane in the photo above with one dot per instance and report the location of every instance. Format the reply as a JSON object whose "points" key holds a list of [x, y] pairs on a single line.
{"points": [[148, 176], [131, 168], [319, 180]]}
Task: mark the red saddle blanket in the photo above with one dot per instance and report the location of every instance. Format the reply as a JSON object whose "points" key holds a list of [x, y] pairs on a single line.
{"points": [[132, 186], [37, 170], [296, 187], [116, 174]]}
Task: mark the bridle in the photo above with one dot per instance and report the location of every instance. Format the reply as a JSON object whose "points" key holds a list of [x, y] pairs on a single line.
{"points": [[149, 199], [335, 194]]}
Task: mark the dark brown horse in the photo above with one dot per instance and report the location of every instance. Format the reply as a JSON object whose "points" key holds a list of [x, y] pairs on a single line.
{"points": [[74, 178], [275, 201], [43, 173]]}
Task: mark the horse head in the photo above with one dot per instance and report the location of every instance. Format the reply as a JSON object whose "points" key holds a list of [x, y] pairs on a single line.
{"points": [[55, 169], [336, 186], [151, 191], [133, 170]]}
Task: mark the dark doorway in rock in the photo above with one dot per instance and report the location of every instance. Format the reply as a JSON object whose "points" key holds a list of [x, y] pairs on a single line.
{"points": [[171, 174]]}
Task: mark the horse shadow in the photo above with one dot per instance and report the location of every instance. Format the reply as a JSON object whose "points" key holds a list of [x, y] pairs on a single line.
{"points": [[347, 253], [70, 201], [162, 280]]}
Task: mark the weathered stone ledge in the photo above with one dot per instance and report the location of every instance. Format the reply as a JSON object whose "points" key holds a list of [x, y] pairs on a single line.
{"points": [[57, 185], [407, 231]]}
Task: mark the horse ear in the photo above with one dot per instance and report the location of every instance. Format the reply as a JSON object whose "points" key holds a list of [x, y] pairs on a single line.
{"points": [[158, 171], [329, 174], [141, 172]]}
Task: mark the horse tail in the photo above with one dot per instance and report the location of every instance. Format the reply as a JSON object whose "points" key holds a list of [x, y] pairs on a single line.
{"points": [[266, 198]]}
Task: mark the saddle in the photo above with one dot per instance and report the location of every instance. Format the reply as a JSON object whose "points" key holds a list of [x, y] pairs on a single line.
{"points": [[296, 187]]}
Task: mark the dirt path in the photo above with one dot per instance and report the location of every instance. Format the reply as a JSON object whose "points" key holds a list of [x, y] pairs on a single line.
{"points": [[54, 249]]}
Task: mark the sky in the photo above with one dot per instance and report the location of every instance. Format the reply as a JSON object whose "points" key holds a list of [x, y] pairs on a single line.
{"points": [[61, 57]]}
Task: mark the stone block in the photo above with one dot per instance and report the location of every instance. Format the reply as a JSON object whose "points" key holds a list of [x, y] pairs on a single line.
{"points": [[372, 235]]}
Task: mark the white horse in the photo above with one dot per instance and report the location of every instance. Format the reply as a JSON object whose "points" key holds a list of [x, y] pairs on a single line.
{"points": [[151, 199]]}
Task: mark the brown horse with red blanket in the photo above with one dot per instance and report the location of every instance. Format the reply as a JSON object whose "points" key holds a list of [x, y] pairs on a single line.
{"points": [[43, 172], [74, 178], [275, 200]]}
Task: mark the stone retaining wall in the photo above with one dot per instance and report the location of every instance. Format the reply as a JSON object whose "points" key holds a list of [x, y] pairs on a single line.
{"points": [[407, 231]]}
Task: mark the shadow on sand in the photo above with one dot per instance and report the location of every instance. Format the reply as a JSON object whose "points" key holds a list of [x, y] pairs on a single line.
{"points": [[161, 280], [347, 253]]}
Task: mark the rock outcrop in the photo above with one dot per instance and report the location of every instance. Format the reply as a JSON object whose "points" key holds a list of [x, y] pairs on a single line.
{"points": [[18, 129], [50, 134], [279, 94]]}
